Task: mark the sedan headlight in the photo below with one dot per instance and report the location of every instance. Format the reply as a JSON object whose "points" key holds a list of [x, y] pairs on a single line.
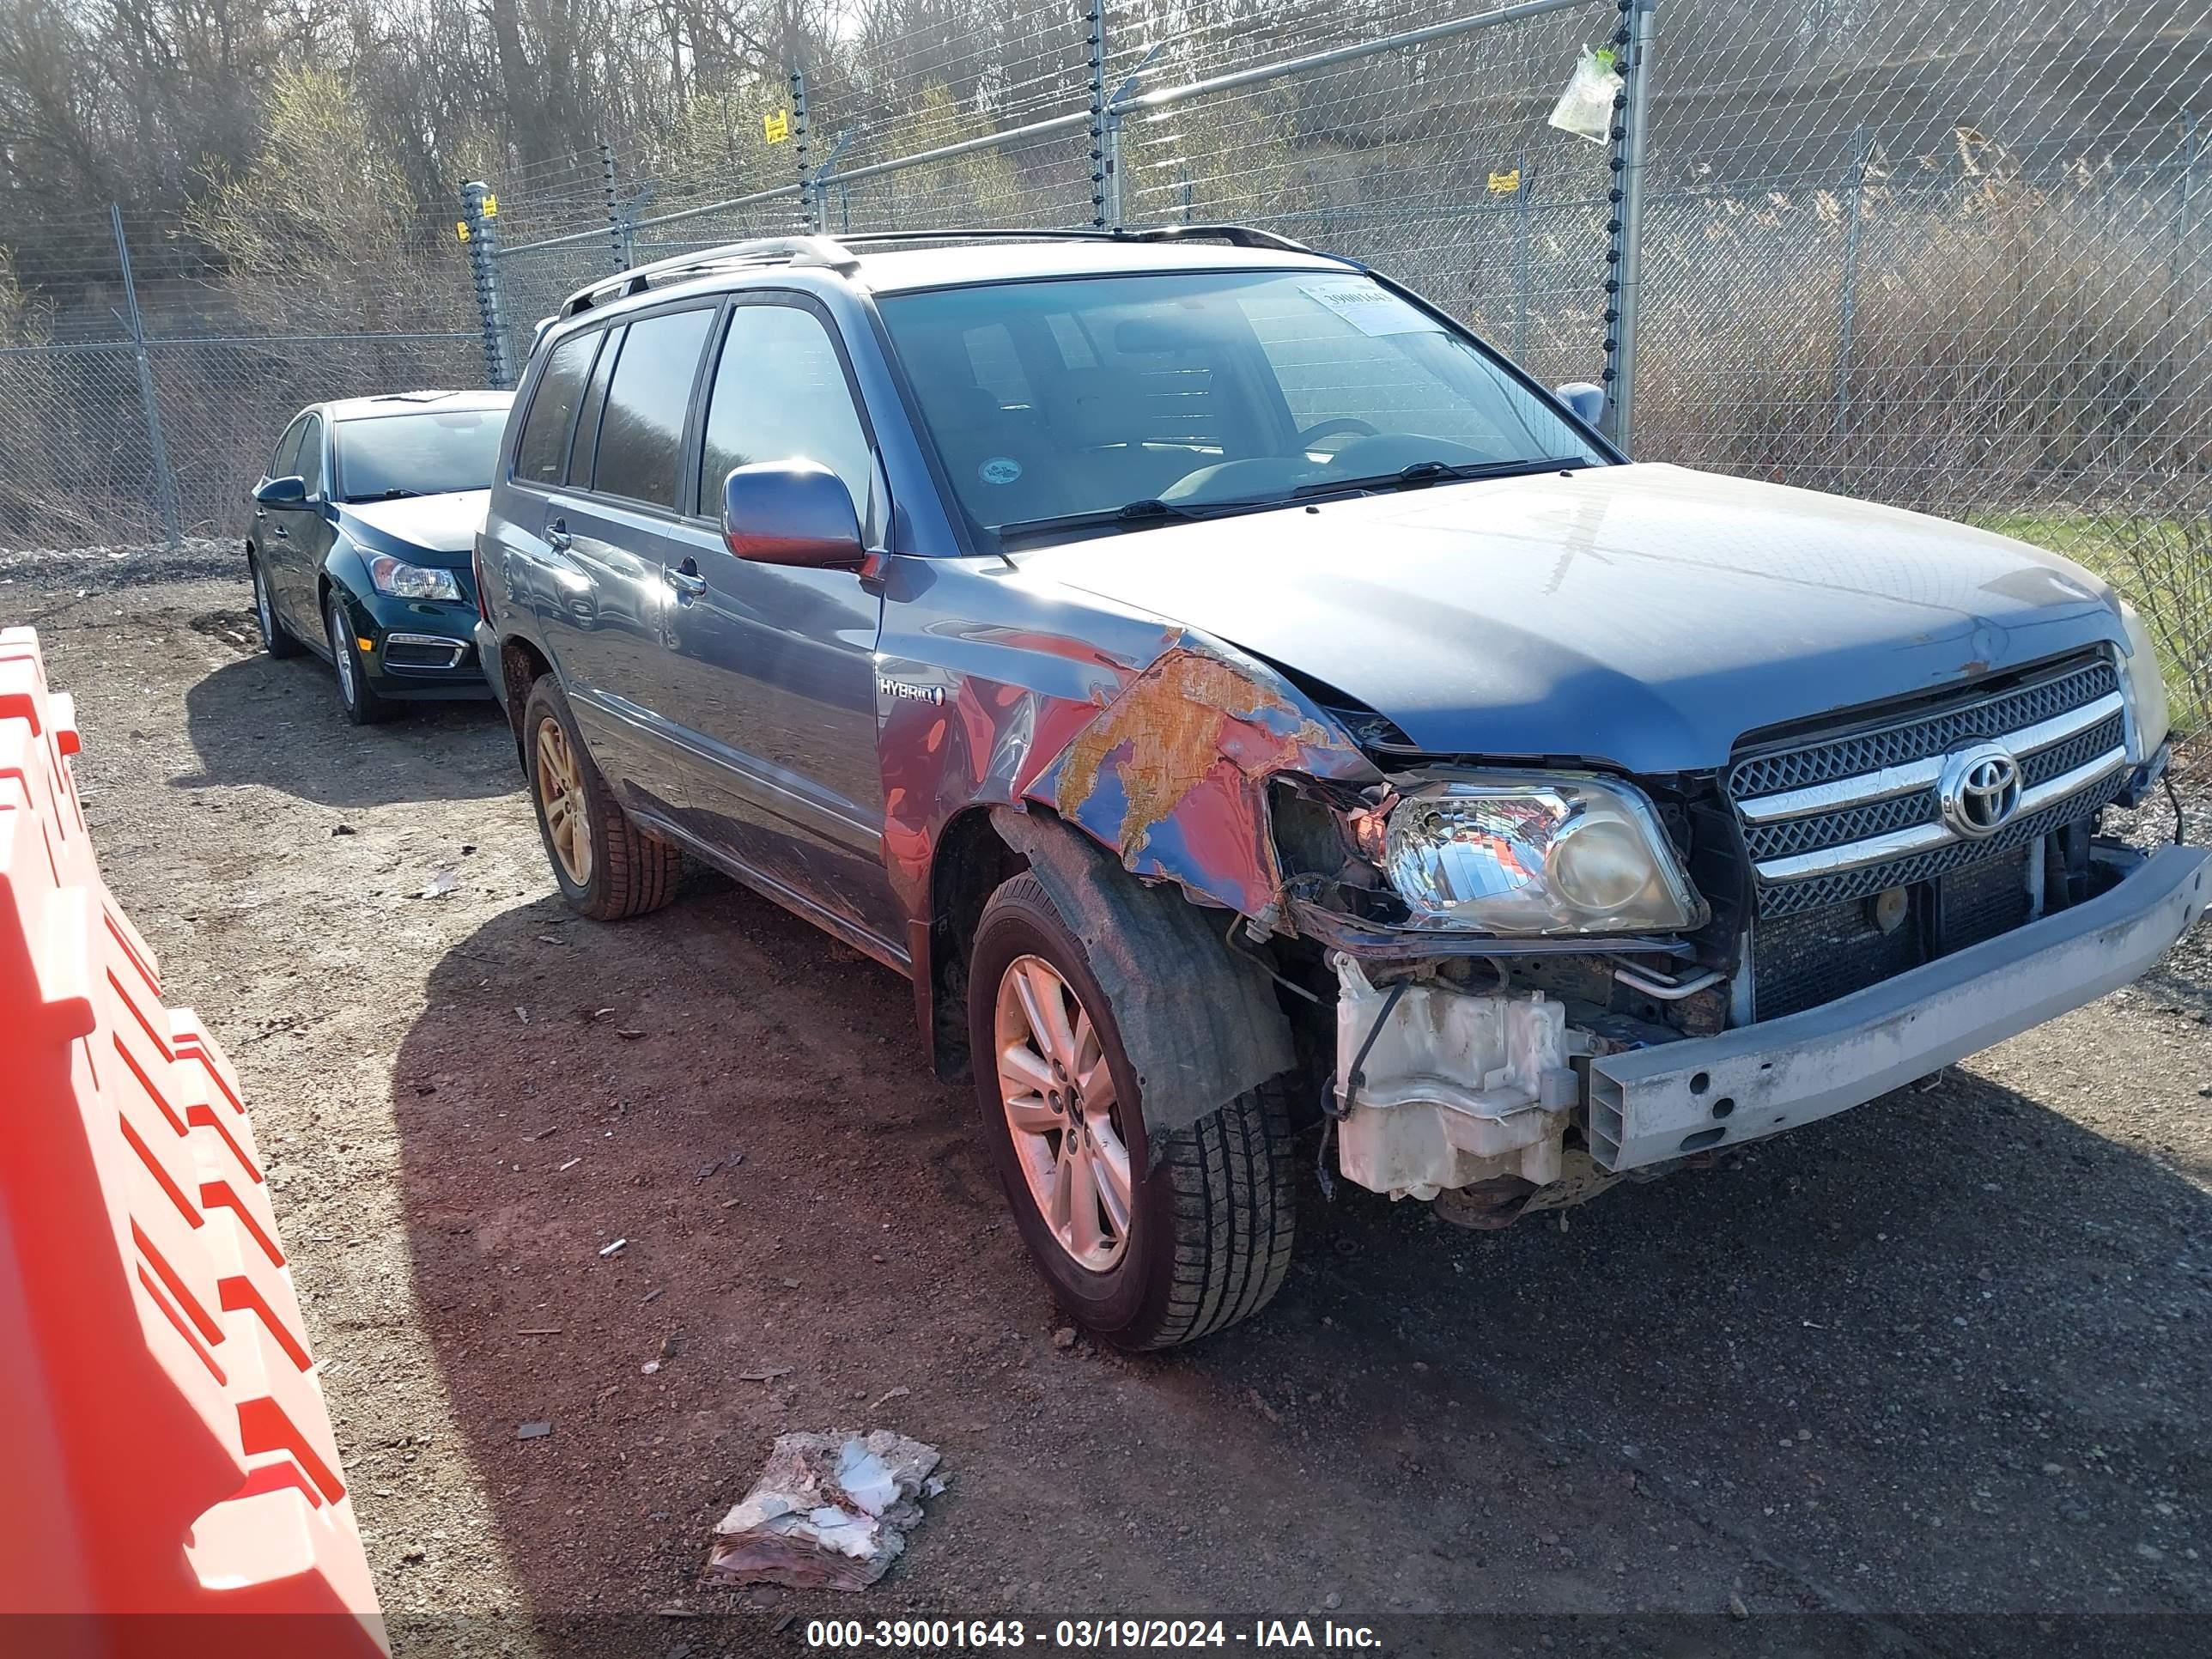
{"points": [[402, 580], [1536, 854], [2145, 686]]}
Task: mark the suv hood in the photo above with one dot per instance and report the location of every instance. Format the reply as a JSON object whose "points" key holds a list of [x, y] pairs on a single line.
{"points": [[443, 523], [1645, 616]]}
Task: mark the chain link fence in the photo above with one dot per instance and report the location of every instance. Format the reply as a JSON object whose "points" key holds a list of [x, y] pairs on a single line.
{"points": [[1953, 255], [144, 374]]}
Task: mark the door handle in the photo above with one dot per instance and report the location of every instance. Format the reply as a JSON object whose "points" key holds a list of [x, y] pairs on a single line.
{"points": [[279, 531], [556, 535], [685, 578]]}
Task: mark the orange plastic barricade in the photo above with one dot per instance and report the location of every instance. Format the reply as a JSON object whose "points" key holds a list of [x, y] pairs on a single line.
{"points": [[164, 1447]]}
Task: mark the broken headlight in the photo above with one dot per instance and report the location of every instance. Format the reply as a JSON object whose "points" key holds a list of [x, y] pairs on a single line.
{"points": [[1536, 854]]}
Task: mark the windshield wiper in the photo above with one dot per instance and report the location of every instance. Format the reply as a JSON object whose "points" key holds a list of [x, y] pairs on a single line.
{"points": [[1429, 472], [1130, 515], [387, 495]]}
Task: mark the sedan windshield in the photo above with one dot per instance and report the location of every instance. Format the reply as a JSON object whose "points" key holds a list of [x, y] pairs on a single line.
{"points": [[1111, 402], [385, 457]]}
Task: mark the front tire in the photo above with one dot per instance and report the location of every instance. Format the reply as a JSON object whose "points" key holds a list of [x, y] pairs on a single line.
{"points": [[1142, 1260], [355, 696], [275, 639], [606, 866]]}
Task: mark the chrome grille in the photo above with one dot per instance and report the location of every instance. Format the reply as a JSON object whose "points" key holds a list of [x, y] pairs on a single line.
{"points": [[1848, 756], [1839, 817]]}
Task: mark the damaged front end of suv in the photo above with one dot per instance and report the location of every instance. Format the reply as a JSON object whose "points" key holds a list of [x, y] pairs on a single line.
{"points": [[1512, 985]]}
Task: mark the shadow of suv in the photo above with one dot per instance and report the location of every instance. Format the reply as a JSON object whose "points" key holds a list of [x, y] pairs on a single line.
{"points": [[1237, 696]]}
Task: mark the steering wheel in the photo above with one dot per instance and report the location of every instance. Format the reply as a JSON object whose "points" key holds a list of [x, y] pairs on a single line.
{"points": [[1321, 429]]}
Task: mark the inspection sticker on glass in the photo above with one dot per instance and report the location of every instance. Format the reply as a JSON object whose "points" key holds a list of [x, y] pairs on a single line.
{"points": [[1368, 308]]}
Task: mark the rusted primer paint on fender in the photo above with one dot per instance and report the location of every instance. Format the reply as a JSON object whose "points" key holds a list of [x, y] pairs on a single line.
{"points": [[1172, 774]]}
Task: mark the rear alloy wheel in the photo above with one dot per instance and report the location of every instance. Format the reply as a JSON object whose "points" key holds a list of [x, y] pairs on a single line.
{"points": [[361, 704], [1145, 1251], [606, 867], [275, 638]]}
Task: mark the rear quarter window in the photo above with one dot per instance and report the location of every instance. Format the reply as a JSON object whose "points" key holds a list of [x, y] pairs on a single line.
{"points": [[542, 447]]}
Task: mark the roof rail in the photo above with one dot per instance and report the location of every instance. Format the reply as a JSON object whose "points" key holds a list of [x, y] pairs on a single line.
{"points": [[1236, 235], [818, 251], [834, 252]]}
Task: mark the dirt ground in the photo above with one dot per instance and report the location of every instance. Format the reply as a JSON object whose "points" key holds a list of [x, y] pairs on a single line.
{"points": [[1941, 1359]]}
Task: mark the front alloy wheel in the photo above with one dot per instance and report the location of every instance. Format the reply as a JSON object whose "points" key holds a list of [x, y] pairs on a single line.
{"points": [[1148, 1238], [362, 705], [1063, 1113]]}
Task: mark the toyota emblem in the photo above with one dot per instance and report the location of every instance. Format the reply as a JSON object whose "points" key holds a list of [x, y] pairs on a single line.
{"points": [[1979, 789]]}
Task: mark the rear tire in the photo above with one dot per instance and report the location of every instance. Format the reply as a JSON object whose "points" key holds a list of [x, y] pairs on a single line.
{"points": [[606, 866], [1208, 1232], [355, 696], [275, 639]]}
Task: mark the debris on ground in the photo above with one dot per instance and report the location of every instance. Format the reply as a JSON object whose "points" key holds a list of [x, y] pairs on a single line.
{"points": [[615, 1248], [830, 1511], [1064, 1337], [533, 1431], [441, 883]]}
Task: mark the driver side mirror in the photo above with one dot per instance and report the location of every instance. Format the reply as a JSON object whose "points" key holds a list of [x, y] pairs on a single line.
{"points": [[288, 491], [1587, 401], [796, 512]]}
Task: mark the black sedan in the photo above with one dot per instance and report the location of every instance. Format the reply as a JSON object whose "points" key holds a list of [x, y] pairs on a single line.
{"points": [[362, 535]]}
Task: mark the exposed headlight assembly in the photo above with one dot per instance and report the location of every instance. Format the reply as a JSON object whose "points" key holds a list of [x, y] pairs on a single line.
{"points": [[402, 580], [1536, 854], [2146, 688]]}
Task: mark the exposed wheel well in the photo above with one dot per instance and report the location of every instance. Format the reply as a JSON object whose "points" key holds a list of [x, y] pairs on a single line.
{"points": [[971, 863], [520, 664]]}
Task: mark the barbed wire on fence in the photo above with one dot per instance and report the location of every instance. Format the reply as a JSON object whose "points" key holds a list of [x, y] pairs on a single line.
{"points": [[1950, 254]]}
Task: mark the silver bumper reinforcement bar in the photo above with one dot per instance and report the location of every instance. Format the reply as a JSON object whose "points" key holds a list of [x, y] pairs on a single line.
{"points": [[1650, 1105]]}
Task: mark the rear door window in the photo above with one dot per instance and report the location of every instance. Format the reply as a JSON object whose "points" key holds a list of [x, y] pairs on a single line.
{"points": [[641, 433], [543, 444]]}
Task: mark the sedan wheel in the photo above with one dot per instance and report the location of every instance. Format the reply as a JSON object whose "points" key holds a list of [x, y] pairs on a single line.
{"points": [[274, 640], [1058, 1094], [362, 705], [560, 791]]}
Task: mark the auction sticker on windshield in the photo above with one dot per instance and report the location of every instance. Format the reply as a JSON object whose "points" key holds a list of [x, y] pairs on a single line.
{"points": [[1370, 308]]}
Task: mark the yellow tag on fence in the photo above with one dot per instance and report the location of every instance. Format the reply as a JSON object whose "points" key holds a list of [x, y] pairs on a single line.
{"points": [[776, 126], [461, 228], [1505, 183]]}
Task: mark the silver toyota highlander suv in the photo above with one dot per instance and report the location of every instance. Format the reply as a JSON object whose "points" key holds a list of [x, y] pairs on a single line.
{"points": [[1245, 706]]}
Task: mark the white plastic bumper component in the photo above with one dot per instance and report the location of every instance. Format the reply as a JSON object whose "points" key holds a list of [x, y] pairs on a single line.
{"points": [[1653, 1104], [1453, 1088]]}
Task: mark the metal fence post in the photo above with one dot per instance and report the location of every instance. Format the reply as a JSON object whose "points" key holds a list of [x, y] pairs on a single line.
{"points": [[809, 198], [157, 452], [481, 210], [2183, 231], [619, 235], [1624, 256], [1847, 319], [1101, 178], [1521, 251]]}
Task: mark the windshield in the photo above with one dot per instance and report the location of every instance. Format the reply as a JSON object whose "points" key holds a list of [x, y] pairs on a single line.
{"points": [[1140, 399], [428, 452]]}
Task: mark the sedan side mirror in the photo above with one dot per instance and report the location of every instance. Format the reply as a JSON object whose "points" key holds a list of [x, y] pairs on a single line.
{"points": [[281, 492], [1587, 401], [796, 512]]}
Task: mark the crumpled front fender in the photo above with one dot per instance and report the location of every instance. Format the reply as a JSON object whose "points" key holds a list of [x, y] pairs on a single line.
{"points": [[1171, 773]]}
